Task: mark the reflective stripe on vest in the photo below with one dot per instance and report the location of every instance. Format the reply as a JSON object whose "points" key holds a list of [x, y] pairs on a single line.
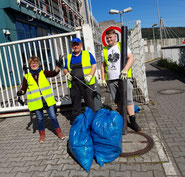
{"points": [[105, 54], [37, 90], [86, 66], [34, 92]]}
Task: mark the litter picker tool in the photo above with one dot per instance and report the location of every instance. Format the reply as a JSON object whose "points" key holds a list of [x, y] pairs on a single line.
{"points": [[95, 91]]}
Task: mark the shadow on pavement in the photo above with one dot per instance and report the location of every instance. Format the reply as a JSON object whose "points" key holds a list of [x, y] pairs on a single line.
{"points": [[33, 122], [163, 74]]}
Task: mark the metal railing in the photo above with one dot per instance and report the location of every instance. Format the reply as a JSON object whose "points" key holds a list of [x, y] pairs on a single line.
{"points": [[13, 55], [51, 11]]}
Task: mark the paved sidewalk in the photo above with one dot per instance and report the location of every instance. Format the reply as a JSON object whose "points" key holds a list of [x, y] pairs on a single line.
{"points": [[167, 91], [164, 120]]}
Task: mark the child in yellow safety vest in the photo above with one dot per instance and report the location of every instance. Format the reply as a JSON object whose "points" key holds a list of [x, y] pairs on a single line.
{"points": [[38, 90]]}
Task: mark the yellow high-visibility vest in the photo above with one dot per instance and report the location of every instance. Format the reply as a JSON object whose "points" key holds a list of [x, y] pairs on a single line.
{"points": [[105, 54], [86, 67], [34, 92]]}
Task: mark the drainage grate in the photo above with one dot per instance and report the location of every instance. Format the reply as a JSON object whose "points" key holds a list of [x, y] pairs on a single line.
{"points": [[141, 141], [170, 91]]}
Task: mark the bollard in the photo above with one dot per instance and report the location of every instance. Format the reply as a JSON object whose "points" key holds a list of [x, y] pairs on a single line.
{"points": [[123, 83]]}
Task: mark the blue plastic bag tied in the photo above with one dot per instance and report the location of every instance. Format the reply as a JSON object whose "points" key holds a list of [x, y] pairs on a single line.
{"points": [[136, 108], [106, 133], [80, 141], [97, 136]]}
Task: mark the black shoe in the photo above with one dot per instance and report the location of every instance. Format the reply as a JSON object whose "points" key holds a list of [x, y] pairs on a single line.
{"points": [[133, 125]]}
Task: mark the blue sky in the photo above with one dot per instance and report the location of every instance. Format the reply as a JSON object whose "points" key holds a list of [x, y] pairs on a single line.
{"points": [[172, 11]]}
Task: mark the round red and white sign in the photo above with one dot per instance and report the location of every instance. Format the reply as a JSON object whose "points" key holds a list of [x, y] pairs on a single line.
{"points": [[118, 33]]}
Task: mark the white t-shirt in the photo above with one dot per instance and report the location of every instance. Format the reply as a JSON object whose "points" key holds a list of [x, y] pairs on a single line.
{"points": [[114, 59]]}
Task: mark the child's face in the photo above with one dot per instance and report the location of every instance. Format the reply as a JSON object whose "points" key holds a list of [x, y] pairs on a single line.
{"points": [[34, 65], [111, 39]]}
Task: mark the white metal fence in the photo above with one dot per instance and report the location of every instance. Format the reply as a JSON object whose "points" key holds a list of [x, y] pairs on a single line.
{"points": [[13, 55]]}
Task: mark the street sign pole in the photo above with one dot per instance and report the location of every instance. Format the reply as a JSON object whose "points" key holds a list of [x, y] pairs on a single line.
{"points": [[123, 83]]}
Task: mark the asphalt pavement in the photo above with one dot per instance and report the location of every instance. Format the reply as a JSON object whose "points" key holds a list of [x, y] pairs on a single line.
{"points": [[162, 120]]}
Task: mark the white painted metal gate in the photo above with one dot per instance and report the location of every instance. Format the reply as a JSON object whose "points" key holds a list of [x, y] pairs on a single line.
{"points": [[13, 55]]}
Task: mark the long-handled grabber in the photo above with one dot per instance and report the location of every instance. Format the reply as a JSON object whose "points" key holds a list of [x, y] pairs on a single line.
{"points": [[95, 91]]}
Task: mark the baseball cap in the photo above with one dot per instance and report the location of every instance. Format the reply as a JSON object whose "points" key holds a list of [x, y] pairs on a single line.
{"points": [[76, 40]]}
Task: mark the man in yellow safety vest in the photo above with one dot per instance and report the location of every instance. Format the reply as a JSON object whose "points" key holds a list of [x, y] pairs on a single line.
{"points": [[81, 65], [111, 74]]}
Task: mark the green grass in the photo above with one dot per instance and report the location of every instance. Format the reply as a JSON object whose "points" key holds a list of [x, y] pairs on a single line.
{"points": [[173, 66]]}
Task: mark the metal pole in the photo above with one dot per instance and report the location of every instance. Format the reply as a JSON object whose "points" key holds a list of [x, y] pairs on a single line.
{"points": [[121, 20], [159, 21], [162, 42], [153, 35], [123, 83], [155, 45]]}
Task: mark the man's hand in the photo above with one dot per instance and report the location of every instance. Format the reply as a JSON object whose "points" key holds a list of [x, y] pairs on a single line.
{"points": [[69, 77], [124, 74], [88, 78], [19, 93], [104, 83], [59, 62]]}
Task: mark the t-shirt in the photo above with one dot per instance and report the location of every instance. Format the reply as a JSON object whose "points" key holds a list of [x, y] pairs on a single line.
{"points": [[114, 59], [78, 59]]}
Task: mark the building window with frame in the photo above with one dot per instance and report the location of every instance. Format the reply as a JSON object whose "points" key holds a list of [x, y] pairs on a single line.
{"points": [[65, 14], [25, 31], [71, 19]]}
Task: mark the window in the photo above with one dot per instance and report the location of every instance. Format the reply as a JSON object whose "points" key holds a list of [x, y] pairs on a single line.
{"points": [[71, 19], [25, 31], [78, 6], [65, 14]]}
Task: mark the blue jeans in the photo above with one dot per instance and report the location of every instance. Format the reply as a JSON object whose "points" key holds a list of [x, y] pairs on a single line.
{"points": [[51, 113]]}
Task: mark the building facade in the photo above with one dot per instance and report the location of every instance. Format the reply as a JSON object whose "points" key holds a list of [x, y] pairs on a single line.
{"points": [[23, 19]]}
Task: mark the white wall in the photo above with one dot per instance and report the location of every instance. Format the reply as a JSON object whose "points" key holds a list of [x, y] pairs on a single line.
{"points": [[153, 47], [174, 54]]}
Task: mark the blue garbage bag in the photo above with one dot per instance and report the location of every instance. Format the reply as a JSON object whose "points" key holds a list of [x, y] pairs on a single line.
{"points": [[80, 141], [106, 133], [136, 108]]}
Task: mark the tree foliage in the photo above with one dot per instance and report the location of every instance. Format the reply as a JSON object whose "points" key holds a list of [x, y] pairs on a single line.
{"points": [[172, 32]]}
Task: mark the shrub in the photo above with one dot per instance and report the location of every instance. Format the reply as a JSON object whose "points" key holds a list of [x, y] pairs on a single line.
{"points": [[173, 66]]}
